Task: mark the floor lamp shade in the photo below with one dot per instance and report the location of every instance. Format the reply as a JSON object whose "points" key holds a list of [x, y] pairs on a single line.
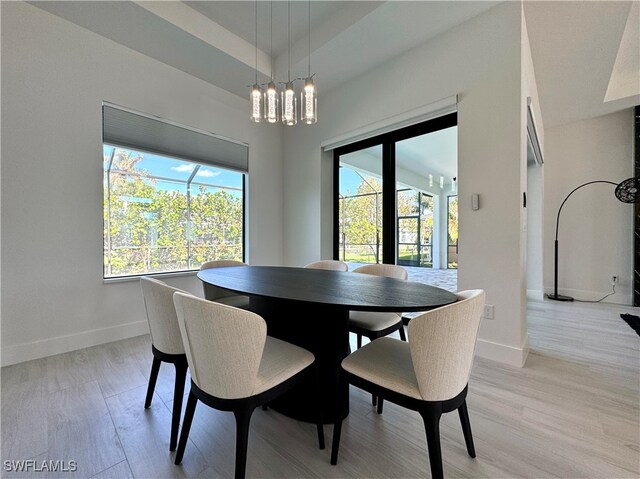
{"points": [[627, 191]]}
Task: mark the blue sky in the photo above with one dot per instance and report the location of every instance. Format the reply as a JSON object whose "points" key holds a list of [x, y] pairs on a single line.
{"points": [[349, 181], [162, 166]]}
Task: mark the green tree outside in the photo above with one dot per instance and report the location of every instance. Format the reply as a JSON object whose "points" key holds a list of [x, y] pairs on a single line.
{"points": [[360, 222], [148, 229]]}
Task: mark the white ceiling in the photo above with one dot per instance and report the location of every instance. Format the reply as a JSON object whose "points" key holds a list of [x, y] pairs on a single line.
{"points": [[575, 45], [624, 80], [215, 41], [239, 18]]}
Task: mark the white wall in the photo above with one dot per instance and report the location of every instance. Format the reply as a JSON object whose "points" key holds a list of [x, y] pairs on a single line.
{"points": [[54, 77], [480, 61], [595, 237]]}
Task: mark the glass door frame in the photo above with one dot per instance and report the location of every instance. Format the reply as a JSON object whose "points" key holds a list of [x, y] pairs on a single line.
{"points": [[389, 204], [418, 244]]}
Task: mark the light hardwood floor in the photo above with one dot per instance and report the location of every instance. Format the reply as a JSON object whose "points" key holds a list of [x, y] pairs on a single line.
{"points": [[572, 412]]}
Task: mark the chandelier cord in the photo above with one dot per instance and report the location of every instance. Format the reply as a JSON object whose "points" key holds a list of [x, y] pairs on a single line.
{"points": [[271, 45], [256, 9], [289, 38], [309, 23]]}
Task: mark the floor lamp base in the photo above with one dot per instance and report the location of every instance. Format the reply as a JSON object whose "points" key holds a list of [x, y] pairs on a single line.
{"points": [[559, 297]]}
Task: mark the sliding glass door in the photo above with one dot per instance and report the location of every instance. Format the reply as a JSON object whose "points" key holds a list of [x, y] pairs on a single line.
{"points": [[390, 196]]}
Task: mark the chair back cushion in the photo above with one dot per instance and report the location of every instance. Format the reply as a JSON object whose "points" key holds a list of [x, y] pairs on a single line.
{"points": [[161, 314], [442, 343], [329, 264], [212, 292], [223, 344], [221, 263], [388, 270]]}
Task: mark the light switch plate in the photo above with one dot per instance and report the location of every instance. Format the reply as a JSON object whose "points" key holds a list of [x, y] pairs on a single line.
{"points": [[475, 201]]}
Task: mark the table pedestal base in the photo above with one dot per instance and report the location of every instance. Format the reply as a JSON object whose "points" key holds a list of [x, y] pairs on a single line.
{"points": [[321, 329]]}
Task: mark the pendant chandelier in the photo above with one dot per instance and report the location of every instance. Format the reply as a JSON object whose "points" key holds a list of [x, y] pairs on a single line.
{"points": [[270, 104]]}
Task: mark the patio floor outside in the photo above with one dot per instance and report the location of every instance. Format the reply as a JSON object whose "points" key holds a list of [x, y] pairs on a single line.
{"points": [[442, 278]]}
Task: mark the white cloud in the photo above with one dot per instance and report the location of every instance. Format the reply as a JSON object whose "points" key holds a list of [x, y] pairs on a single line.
{"points": [[184, 167], [207, 173]]}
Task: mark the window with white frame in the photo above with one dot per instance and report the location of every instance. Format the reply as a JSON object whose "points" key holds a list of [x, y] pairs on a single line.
{"points": [[168, 208]]}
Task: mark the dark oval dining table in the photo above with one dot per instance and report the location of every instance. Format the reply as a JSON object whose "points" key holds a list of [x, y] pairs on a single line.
{"points": [[310, 308]]}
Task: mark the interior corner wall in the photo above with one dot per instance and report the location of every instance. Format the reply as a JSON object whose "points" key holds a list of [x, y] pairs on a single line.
{"points": [[533, 179], [54, 77], [596, 230], [479, 60], [535, 198]]}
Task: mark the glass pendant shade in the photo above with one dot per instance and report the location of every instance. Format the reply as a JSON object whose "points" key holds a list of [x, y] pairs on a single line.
{"points": [[271, 103], [309, 102], [255, 99], [289, 104]]}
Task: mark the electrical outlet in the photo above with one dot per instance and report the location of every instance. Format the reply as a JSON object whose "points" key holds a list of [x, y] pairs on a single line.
{"points": [[614, 280], [488, 311]]}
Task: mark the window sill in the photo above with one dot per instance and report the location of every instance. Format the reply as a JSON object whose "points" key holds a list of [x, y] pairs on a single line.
{"points": [[127, 279]]}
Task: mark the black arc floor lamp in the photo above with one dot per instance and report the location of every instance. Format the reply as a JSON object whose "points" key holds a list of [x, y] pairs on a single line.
{"points": [[627, 191]]}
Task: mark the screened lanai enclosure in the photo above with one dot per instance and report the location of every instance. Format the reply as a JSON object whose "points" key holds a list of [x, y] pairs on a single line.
{"points": [[425, 219], [164, 214]]}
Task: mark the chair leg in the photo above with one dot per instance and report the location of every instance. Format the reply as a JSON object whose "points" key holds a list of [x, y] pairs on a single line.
{"points": [[431, 421], [186, 426], [374, 398], [380, 403], [359, 341], [320, 428], [402, 335], [243, 418], [335, 444], [318, 406], [178, 393], [155, 368], [466, 428]]}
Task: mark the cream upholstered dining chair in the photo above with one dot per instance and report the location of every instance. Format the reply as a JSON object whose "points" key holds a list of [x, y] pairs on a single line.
{"points": [[221, 295], [429, 374], [329, 264], [236, 367], [373, 324], [166, 345]]}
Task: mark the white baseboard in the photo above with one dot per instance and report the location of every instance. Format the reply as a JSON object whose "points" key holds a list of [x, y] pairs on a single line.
{"points": [[585, 295], [535, 295], [63, 344], [503, 353]]}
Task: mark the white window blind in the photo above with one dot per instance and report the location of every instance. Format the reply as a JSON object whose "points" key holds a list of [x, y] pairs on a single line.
{"points": [[418, 115], [138, 131]]}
